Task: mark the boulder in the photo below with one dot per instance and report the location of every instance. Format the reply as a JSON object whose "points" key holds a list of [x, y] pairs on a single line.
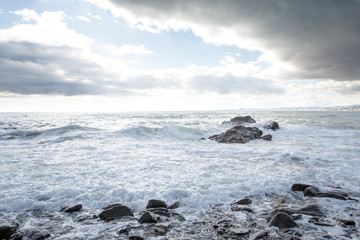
{"points": [[271, 125], [240, 120], [238, 134], [115, 211], [148, 217], [154, 203], [282, 220], [71, 208], [267, 137], [7, 229], [301, 187]]}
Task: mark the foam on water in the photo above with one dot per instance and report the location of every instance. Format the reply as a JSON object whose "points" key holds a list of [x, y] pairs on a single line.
{"points": [[53, 160]]}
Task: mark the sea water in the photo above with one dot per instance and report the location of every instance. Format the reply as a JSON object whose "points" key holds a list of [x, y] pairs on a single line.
{"points": [[51, 160]]}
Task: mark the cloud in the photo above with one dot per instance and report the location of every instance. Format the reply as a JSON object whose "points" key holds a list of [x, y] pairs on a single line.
{"points": [[95, 16], [127, 49], [318, 38], [85, 19]]}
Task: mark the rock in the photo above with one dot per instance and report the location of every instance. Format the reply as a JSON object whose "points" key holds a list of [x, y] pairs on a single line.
{"points": [[72, 208], [244, 201], [347, 222], [7, 229], [267, 137], [136, 238], [330, 195], [157, 209], [271, 125], [312, 210], [300, 187], [238, 134], [174, 205], [125, 230], [157, 229], [282, 220], [115, 211], [162, 213], [259, 235], [240, 120], [36, 234], [237, 208], [153, 203], [148, 217], [237, 231], [179, 217], [311, 191]]}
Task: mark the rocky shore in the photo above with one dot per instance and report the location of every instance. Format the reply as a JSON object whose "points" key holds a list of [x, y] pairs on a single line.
{"points": [[305, 212]]}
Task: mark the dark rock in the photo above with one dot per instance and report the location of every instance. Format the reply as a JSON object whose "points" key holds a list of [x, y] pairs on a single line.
{"points": [[282, 220], [311, 191], [158, 229], [237, 208], [244, 201], [330, 195], [157, 209], [237, 231], [148, 217], [202, 139], [260, 235], [179, 217], [17, 236], [300, 187], [267, 137], [240, 120], [271, 125], [345, 194], [312, 210], [238, 134], [7, 229], [36, 234], [111, 206], [115, 212], [136, 238], [347, 222], [174, 205], [125, 230], [162, 213], [72, 208], [153, 203]]}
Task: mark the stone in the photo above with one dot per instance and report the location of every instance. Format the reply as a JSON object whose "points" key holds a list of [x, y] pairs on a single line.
{"points": [[244, 201], [37, 234], [311, 191], [112, 212], [267, 137], [238, 134], [157, 229], [148, 217], [259, 235], [330, 195], [347, 222], [153, 203], [282, 220], [311, 210], [237, 208], [72, 208], [300, 187], [125, 231], [237, 231], [271, 125], [240, 120], [174, 205], [136, 238], [7, 229]]}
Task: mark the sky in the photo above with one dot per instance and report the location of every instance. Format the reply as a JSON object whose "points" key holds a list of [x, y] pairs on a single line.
{"points": [[167, 55]]}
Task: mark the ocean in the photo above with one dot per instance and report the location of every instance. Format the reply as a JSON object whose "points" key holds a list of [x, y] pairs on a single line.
{"points": [[51, 160]]}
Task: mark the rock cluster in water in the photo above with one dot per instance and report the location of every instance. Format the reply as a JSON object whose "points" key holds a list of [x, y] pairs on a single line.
{"points": [[243, 134]]}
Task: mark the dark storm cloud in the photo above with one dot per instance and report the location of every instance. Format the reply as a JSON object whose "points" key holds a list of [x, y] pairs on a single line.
{"points": [[321, 37], [231, 84]]}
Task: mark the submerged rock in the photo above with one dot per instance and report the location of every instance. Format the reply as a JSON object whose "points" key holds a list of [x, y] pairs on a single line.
{"points": [[115, 211], [7, 229], [238, 134], [330, 195], [154, 203], [244, 201], [240, 120], [282, 220], [311, 191], [312, 210], [271, 125], [300, 187], [72, 208], [267, 137]]}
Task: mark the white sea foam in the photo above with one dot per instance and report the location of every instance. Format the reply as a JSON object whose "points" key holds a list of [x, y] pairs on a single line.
{"points": [[50, 161]]}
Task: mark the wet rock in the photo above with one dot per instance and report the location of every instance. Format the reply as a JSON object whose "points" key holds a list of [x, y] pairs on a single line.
{"points": [[282, 220], [72, 208], [311, 191], [346, 222], [238, 134], [136, 238], [244, 201], [153, 203], [157, 229], [260, 235], [115, 211], [157, 209], [301, 187], [162, 213], [179, 217], [125, 231], [37, 234], [174, 205], [240, 120], [7, 229], [237, 208], [237, 231], [271, 125], [148, 217], [267, 137], [311, 210], [330, 195]]}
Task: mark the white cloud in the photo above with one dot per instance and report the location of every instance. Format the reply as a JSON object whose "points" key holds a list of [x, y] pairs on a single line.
{"points": [[85, 19], [95, 16], [127, 50]]}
